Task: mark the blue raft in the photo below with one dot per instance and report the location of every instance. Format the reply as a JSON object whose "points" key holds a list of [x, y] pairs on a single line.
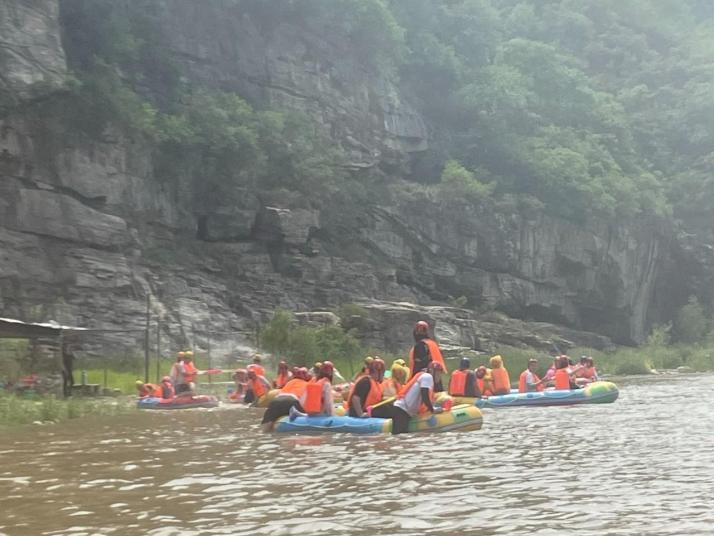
{"points": [[595, 393], [462, 418], [179, 402]]}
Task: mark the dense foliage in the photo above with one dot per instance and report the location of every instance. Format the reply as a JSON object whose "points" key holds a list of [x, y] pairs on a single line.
{"points": [[591, 107]]}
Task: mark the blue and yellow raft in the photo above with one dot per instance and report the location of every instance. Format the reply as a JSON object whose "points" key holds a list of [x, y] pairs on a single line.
{"points": [[596, 393], [463, 418]]}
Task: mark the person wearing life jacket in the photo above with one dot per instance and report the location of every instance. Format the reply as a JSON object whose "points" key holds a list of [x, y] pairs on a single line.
{"points": [[288, 397], [549, 378], [240, 380], [283, 376], [317, 399], [367, 390], [587, 373], [424, 351], [257, 384], [175, 372], [167, 388], [463, 381], [148, 389], [564, 380], [483, 381], [529, 382], [392, 385], [499, 376], [258, 365], [416, 397]]}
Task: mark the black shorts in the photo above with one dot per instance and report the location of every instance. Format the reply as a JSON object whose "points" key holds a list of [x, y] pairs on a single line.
{"points": [[400, 418], [280, 407]]}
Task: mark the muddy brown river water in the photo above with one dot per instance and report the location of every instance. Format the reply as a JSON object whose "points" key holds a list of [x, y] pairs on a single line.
{"points": [[643, 465]]}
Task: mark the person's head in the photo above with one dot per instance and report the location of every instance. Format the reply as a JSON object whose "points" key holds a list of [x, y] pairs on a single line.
{"points": [[326, 370], [304, 374], [435, 369], [481, 372], [257, 359], [496, 362], [316, 367], [399, 373], [465, 363], [421, 330], [139, 385], [367, 362], [188, 355], [562, 362], [590, 362], [282, 367], [399, 362], [570, 361], [180, 356], [583, 359], [376, 369], [166, 379], [240, 375], [532, 364]]}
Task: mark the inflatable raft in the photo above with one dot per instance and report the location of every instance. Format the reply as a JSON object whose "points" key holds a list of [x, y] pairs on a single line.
{"points": [[179, 402], [463, 418], [595, 393]]}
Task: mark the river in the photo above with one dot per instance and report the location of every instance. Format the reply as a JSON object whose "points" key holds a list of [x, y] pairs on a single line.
{"points": [[643, 465]]}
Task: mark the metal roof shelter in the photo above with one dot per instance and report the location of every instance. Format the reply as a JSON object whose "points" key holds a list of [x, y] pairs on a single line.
{"points": [[11, 328]]}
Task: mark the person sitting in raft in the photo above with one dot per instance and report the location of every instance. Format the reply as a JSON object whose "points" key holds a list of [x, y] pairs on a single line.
{"points": [[148, 389], [463, 381], [240, 379], [403, 364], [424, 351], [317, 399], [258, 384], [364, 370], [283, 376], [392, 385], [549, 378], [587, 374], [529, 382], [167, 388], [187, 373], [483, 381], [564, 380], [315, 370], [289, 397], [366, 391], [499, 376], [415, 398]]}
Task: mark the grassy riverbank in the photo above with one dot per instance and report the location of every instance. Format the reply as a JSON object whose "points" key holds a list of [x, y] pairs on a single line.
{"points": [[17, 411]]}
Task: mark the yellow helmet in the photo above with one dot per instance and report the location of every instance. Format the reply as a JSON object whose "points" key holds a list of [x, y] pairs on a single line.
{"points": [[188, 353], [139, 383], [399, 362]]}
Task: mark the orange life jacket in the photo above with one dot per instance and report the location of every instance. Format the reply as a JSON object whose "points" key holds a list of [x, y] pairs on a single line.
{"points": [[151, 389], [588, 372], [562, 380], [457, 384], [313, 396], [402, 393], [296, 387], [259, 370], [190, 372], [258, 387], [484, 387], [280, 381], [501, 381], [390, 387], [522, 387], [434, 352], [374, 396]]}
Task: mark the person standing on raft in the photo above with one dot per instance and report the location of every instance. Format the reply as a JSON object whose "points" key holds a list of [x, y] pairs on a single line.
{"points": [[424, 351], [367, 390], [463, 381], [529, 382], [283, 376]]}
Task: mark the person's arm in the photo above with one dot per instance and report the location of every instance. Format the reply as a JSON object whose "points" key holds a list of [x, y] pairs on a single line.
{"points": [[426, 399], [329, 405]]}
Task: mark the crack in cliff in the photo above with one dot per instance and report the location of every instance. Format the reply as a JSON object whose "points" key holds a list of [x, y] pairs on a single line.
{"points": [[95, 203]]}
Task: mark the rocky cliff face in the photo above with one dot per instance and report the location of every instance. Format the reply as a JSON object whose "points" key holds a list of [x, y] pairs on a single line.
{"points": [[86, 233]]}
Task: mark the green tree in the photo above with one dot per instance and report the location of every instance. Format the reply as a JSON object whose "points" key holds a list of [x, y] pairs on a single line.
{"points": [[691, 323]]}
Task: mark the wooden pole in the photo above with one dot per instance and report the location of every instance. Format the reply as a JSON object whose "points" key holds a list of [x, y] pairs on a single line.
{"points": [[146, 338], [158, 350]]}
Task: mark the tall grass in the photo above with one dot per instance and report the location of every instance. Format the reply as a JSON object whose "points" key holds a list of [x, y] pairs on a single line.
{"points": [[15, 410]]}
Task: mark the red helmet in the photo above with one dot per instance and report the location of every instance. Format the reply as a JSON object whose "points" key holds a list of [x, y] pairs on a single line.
{"points": [[435, 366], [421, 328], [376, 365]]}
